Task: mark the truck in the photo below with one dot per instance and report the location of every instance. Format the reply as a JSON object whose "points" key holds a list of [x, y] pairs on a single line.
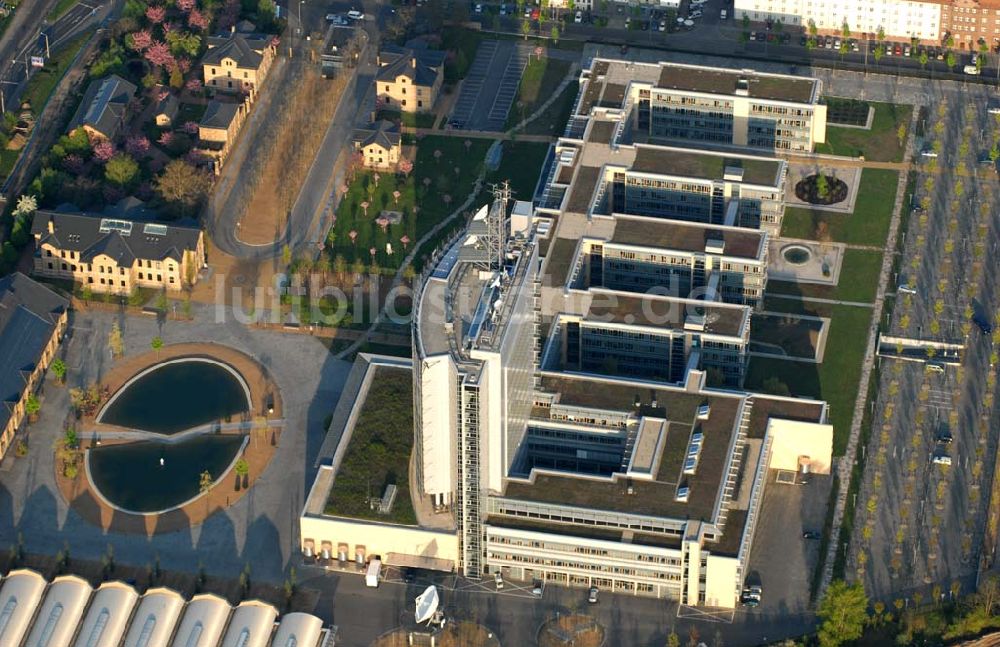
{"points": [[373, 573]]}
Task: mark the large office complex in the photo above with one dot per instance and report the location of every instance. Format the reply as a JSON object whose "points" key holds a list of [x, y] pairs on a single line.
{"points": [[706, 106], [578, 359]]}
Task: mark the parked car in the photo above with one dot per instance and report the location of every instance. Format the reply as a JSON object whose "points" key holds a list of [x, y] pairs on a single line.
{"points": [[695, 14], [498, 579], [905, 288], [928, 152], [944, 436], [537, 589], [535, 13], [972, 70], [579, 17], [982, 323], [592, 595], [354, 14], [941, 459], [503, 10], [811, 534]]}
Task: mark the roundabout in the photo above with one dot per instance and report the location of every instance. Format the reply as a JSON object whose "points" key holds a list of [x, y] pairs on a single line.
{"points": [[184, 432]]}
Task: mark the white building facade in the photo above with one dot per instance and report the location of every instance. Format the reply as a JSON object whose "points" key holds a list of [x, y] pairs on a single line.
{"points": [[900, 19]]}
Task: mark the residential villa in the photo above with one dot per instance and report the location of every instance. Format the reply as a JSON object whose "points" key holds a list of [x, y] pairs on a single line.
{"points": [[379, 145], [166, 111], [238, 62], [218, 129], [32, 321], [409, 80], [103, 108], [115, 255]]}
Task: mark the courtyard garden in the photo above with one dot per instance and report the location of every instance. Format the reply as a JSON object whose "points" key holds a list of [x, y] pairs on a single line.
{"points": [[883, 142], [382, 213], [867, 225]]}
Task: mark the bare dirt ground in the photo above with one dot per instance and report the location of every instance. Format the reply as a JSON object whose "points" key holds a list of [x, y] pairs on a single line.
{"points": [[291, 142]]}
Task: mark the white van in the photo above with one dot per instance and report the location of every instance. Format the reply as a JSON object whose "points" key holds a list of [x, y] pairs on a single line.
{"points": [[723, 15], [971, 69]]}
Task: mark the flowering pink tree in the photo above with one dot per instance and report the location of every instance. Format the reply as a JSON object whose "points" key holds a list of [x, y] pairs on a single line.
{"points": [[137, 146], [184, 65], [447, 199], [193, 85], [155, 14], [73, 163], [382, 222], [190, 127], [371, 250], [159, 54], [405, 240], [437, 155], [427, 183], [185, 5], [395, 197], [275, 41], [405, 166], [166, 138], [197, 20], [365, 205], [139, 40], [103, 150], [353, 235], [376, 177], [343, 189]]}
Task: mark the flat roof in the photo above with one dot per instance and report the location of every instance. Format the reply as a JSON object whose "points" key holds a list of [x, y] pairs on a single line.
{"points": [[203, 621], [298, 630], [155, 618], [251, 625], [705, 165], [666, 312], [687, 236], [60, 613], [760, 85], [108, 615], [19, 597], [765, 406], [582, 189], [559, 259], [650, 497]]}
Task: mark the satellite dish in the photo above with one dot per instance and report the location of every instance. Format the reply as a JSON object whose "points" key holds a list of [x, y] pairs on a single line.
{"points": [[427, 604]]}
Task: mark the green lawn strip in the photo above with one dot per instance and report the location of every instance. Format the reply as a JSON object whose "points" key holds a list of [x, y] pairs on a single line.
{"points": [[378, 454], [408, 119], [836, 379], [437, 185], [867, 225], [859, 274], [541, 77], [61, 7], [553, 120], [879, 144], [521, 165], [44, 81]]}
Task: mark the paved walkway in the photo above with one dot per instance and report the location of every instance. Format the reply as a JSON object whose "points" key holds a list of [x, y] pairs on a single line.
{"points": [[846, 463], [836, 302]]}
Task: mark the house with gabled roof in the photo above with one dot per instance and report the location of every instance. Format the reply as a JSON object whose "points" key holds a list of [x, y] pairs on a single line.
{"points": [[379, 144], [238, 62], [114, 255], [409, 80], [32, 322], [104, 107]]}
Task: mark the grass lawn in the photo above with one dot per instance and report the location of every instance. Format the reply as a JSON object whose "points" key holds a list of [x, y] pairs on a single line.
{"points": [[41, 85], [541, 77], [61, 7], [409, 119], [879, 144], [189, 112], [521, 164], [436, 186], [858, 280], [836, 379], [868, 225], [553, 120], [797, 337], [379, 452]]}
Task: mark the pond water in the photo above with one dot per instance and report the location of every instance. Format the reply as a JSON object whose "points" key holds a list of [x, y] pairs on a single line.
{"points": [[177, 396], [131, 476]]}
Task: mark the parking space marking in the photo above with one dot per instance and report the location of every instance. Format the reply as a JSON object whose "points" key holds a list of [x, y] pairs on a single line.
{"points": [[704, 614]]}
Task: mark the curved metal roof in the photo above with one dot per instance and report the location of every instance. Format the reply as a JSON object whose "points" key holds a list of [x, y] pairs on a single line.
{"points": [[19, 597], [60, 613], [108, 615], [251, 625], [298, 630], [203, 622], [155, 618]]}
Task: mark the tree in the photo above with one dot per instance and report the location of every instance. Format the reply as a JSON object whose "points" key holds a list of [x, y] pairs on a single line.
{"points": [[121, 169], [746, 21], [555, 34], [115, 343], [242, 470], [822, 186], [156, 344], [949, 60], [924, 58], [845, 30], [525, 28], [182, 185], [32, 406], [879, 53], [880, 36], [59, 369], [901, 134], [842, 613], [673, 640], [205, 482], [774, 386]]}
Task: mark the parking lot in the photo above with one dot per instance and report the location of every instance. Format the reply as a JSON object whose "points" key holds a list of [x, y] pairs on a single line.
{"points": [[490, 86], [782, 560]]}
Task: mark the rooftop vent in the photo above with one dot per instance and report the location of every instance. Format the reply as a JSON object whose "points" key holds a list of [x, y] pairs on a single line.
{"points": [[715, 245], [733, 173], [743, 87]]}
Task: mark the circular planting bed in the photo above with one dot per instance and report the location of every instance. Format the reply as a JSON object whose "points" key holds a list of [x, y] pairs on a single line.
{"points": [[796, 254], [454, 634], [574, 630], [813, 191]]}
